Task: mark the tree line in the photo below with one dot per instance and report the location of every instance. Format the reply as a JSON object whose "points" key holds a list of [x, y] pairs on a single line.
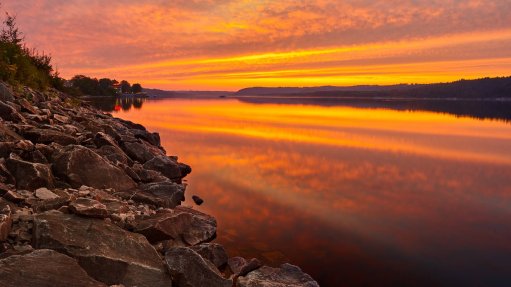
{"points": [[83, 85], [20, 65]]}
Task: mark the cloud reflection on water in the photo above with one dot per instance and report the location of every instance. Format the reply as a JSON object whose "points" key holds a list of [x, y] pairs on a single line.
{"points": [[354, 196]]}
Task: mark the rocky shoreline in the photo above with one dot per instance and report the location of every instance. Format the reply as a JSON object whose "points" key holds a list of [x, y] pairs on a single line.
{"points": [[87, 199]]}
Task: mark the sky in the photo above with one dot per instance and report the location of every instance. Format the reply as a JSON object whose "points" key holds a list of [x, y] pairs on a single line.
{"points": [[232, 44]]}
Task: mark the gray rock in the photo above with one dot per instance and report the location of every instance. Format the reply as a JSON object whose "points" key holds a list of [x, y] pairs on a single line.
{"points": [[189, 269], [286, 275], [165, 166], [185, 224], [44, 268], [213, 252], [82, 166], [88, 207], [107, 252], [29, 175]]}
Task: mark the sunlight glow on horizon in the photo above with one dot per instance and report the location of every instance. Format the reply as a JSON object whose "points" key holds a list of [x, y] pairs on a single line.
{"points": [[218, 45]]}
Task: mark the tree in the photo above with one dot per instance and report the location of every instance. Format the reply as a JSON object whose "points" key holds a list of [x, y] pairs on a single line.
{"points": [[11, 33], [136, 88], [125, 87], [86, 85]]}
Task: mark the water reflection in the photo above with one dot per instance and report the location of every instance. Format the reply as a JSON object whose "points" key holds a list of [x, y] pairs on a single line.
{"points": [[355, 196], [125, 103], [480, 109]]}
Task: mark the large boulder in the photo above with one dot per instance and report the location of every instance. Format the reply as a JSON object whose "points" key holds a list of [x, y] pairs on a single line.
{"points": [[107, 252], [286, 275], [180, 224], [48, 136], [164, 194], [114, 154], [189, 269], [213, 252], [82, 166], [44, 268], [141, 150], [29, 175], [165, 166]]}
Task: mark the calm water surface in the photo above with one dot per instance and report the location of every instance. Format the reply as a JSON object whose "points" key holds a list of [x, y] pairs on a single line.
{"points": [[355, 196]]}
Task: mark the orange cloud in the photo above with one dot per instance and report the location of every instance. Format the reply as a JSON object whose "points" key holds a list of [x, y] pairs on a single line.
{"points": [[201, 44]]}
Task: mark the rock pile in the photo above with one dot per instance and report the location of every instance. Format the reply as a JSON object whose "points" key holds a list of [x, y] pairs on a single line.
{"points": [[87, 199]]}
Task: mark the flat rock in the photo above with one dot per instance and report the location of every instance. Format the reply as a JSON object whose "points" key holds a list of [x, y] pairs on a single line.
{"points": [[82, 166], [44, 193], [286, 275], [88, 207], [213, 252], [189, 269], [44, 268], [107, 252], [190, 226], [29, 175]]}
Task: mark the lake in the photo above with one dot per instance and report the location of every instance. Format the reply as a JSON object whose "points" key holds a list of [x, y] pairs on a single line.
{"points": [[356, 195]]}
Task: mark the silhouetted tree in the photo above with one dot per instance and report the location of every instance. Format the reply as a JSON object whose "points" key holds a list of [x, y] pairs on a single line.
{"points": [[136, 88], [125, 87]]}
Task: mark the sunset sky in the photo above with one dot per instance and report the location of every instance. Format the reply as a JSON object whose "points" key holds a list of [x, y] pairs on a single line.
{"points": [[231, 44]]}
